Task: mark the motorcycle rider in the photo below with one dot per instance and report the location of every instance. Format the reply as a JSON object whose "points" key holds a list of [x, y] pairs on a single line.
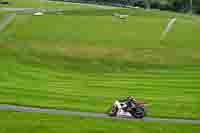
{"points": [[130, 103]]}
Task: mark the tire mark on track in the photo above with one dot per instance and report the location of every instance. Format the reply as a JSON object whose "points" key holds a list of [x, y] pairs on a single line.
{"points": [[6, 21], [8, 107]]}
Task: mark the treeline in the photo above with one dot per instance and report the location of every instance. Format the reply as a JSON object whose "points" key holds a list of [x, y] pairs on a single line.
{"points": [[173, 5], [177, 5]]}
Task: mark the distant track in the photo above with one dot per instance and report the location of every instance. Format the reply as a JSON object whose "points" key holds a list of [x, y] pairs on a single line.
{"points": [[6, 20], [87, 114], [21, 10], [32, 10], [86, 4]]}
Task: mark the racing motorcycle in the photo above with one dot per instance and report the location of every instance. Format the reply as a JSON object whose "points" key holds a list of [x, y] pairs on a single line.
{"points": [[120, 109]]}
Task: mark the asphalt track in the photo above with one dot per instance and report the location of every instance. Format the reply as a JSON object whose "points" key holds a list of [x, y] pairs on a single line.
{"points": [[8, 107], [86, 4]]}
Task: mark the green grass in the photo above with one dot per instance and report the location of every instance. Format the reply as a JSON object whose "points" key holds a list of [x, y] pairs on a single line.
{"points": [[102, 29], [45, 79], [33, 122], [84, 61], [2, 15]]}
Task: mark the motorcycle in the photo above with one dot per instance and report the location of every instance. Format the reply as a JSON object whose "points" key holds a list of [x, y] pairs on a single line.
{"points": [[120, 109]]}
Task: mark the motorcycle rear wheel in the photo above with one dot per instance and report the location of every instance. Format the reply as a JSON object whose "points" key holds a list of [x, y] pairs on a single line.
{"points": [[137, 113]]}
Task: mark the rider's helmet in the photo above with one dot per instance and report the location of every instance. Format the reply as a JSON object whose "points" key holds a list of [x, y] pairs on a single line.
{"points": [[131, 99]]}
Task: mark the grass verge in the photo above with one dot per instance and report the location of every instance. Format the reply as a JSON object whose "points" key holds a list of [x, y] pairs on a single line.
{"points": [[40, 122]]}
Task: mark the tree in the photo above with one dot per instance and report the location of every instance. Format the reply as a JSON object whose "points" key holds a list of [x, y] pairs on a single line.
{"points": [[148, 4], [192, 6]]}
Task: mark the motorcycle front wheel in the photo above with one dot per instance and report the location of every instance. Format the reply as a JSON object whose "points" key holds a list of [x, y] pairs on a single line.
{"points": [[114, 111]]}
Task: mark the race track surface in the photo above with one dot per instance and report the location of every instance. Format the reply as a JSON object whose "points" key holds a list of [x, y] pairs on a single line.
{"points": [[9, 107]]}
